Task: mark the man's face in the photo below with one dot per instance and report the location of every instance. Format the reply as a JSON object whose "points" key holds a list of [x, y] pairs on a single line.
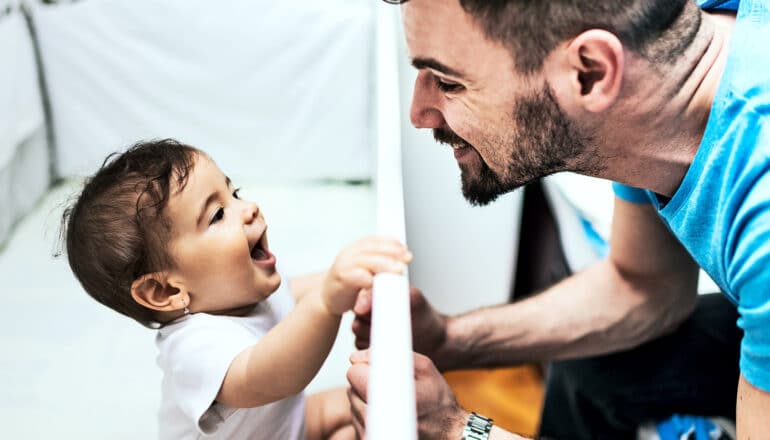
{"points": [[506, 128]]}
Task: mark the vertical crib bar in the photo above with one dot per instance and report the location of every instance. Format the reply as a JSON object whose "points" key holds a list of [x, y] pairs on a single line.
{"points": [[391, 412]]}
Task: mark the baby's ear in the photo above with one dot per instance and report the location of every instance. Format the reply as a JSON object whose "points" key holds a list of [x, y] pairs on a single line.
{"points": [[155, 292]]}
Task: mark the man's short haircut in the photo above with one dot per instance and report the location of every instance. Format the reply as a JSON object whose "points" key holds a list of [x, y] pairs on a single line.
{"points": [[116, 230], [659, 30]]}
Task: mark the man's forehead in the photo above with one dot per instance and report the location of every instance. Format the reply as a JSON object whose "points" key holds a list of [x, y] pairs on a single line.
{"points": [[441, 36]]}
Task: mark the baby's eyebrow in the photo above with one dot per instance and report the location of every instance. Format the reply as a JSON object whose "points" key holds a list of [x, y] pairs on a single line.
{"points": [[208, 200], [206, 203]]}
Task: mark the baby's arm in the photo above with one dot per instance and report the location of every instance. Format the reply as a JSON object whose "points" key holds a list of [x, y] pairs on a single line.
{"points": [[284, 361], [303, 284]]}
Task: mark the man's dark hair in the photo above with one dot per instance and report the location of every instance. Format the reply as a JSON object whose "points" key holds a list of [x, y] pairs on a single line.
{"points": [[659, 30], [116, 230]]}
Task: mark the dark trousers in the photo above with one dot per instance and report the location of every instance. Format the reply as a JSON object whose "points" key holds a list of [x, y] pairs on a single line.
{"points": [[691, 371]]}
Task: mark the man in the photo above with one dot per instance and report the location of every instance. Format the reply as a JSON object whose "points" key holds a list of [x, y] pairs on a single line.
{"points": [[654, 94]]}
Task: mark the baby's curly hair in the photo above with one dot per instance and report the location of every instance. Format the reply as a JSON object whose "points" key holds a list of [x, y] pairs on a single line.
{"points": [[116, 230]]}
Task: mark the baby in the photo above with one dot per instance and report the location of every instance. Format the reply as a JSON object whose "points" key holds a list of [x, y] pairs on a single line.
{"points": [[160, 235]]}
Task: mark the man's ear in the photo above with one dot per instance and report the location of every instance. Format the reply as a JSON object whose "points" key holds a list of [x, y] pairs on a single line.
{"points": [[595, 60], [156, 292]]}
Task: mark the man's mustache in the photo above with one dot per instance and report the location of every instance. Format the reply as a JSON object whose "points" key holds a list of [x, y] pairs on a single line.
{"points": [[446, 136]]}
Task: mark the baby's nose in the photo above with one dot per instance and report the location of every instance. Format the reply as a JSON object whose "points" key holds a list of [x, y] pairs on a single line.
{"points": [[250, 212]]}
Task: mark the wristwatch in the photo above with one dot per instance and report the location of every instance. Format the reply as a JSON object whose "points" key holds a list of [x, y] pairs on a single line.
{"points": [[477, 428]]}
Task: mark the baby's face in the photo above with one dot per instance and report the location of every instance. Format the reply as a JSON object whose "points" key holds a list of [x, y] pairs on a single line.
{"points": [[219, 244]]}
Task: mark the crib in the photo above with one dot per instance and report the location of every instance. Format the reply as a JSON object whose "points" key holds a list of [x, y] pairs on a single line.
{"points": [[298, 118]]}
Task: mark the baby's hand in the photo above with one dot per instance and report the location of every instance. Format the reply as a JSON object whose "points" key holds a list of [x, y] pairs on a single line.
{"points": [[355, 267]]}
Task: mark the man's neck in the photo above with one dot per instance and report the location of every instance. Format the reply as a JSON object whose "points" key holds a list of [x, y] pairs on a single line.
{"points": [[664, 118]]}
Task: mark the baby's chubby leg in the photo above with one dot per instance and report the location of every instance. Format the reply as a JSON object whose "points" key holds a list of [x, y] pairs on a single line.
{"points": [[327, 416]]}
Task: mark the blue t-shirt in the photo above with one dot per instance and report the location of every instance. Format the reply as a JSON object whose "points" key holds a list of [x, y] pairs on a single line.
{"points": [[721, 210]]}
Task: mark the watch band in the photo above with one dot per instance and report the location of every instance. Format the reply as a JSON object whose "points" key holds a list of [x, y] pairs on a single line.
{"points": [[477, 427]]}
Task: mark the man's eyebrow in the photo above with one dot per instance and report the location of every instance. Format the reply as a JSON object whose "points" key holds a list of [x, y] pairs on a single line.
{"points": [[430, 63], [209, 199]]}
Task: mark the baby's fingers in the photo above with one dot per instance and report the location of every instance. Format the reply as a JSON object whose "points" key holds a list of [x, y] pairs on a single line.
{"points": [[357, 277], [376, 263], [384, 246]]}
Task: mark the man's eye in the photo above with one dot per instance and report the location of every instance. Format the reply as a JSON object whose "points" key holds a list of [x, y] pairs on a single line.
{"points": [[220, 214], [237, 193], [446, 86]]}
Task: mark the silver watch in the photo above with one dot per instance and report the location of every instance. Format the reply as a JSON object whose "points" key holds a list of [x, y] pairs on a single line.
{"points": [[477, 427]]}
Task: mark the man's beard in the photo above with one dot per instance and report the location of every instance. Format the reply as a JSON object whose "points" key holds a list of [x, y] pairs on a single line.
{"points": [[544, 142]]}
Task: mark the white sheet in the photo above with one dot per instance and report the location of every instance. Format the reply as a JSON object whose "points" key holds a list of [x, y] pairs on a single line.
{"points": [[279, 89]]}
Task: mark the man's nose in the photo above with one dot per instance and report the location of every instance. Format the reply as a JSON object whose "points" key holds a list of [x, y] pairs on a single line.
{"points": [[425, 112]]}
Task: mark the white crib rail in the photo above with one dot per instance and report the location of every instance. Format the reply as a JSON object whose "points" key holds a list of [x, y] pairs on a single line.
{"points": [[391, 412]]}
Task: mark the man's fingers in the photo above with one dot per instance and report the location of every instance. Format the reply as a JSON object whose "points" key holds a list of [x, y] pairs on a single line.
{"points": [[361, 331], [416, 298], [358, 373], [422, 365], [358, 411], [359, 357]]}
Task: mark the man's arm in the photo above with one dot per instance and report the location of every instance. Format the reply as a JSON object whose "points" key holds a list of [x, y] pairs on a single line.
{"points": [[751, 413], [645, 288]]}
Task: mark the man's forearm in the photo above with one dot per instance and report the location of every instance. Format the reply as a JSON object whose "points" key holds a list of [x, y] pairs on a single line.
{"points": [[594, 312], [501, 434]]}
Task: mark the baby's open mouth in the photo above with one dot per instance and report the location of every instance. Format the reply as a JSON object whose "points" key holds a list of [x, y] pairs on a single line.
{"points": [[259, 251]]}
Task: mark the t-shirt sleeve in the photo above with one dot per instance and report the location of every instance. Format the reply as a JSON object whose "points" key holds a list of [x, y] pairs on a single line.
{"points": [[725, 5], [630, 194], [196, 357], [748, 270]]}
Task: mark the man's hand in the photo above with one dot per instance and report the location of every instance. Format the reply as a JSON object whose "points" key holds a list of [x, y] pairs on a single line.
{"points": [[428, 326], [439, 416], [355, 267]]}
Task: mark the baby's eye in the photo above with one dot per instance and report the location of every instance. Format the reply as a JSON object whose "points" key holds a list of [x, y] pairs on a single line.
{"points": [[237, 193], [446, 86], [220, 214]]}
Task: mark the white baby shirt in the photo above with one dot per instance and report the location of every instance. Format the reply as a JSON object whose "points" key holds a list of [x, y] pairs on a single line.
{"points": [[195, 354]]}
